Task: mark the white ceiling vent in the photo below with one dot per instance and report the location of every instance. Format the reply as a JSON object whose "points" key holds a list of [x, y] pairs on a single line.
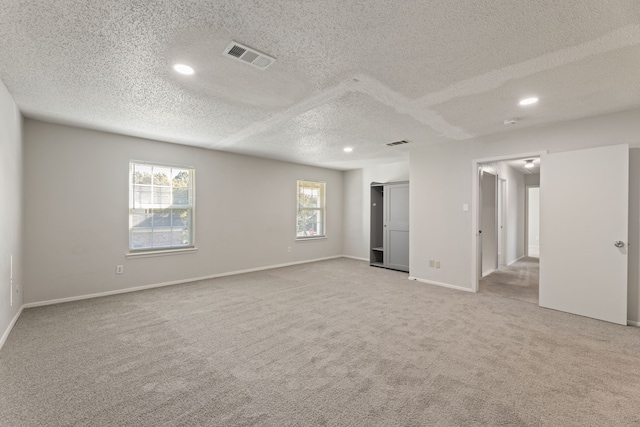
{"points": [[247, 55], [392, 144]]}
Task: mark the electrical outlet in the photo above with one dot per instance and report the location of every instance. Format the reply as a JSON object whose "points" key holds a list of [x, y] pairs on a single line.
{"points": [[289, 249], [119, 269], [437, 264], [431, 263]]}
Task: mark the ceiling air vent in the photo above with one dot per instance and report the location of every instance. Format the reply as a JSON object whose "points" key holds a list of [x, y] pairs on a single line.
{"points": [[249, 56], [404, 141]]}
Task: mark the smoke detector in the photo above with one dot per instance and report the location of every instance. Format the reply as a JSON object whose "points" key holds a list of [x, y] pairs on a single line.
{"points": [[510, 122], [247, 55]]}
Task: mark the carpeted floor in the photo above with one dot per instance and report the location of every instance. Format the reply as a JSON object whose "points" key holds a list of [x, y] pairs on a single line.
{"points": [[519, 280], [334, 343]]}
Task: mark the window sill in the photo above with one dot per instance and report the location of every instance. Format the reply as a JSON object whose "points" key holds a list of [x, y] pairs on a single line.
{"points": [[167, 252], [304, 239]]}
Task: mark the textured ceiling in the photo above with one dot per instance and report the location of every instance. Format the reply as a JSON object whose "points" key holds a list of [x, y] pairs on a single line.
{"points": [[347, 73]]}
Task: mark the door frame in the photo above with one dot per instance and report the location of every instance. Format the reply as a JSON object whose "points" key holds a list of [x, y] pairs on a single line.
{"points": [[502, 221], [489, 170], [526, 217], [476, 249]]}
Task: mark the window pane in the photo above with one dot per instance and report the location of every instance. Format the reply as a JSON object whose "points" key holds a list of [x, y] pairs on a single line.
{"points": [[181, 196], [161, 176], [140, 218], [161, 238], [180, 237], [141, 195], [154, 191], [161, 218], [310, 218], [181, 217], [162, 196], [141, 239], [141, 174], [181, 178]]}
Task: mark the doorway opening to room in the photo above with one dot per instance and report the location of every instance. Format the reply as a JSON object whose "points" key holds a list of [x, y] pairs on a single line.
{"points": [[506, 227]]}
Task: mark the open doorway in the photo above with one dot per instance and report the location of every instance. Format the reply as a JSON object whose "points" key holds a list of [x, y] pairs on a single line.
{"points": [[507, 218]]}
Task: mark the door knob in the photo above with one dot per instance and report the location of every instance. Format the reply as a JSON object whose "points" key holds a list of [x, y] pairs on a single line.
{"points": [[619, 244]]}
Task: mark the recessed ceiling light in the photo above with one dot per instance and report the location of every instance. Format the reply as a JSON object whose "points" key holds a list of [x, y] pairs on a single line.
{"points": [[348, 149], [529, 164], [528, 101], [183, 69]]}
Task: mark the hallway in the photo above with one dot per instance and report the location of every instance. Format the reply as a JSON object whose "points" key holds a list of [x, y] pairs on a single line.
{"points": [[517, 281]]}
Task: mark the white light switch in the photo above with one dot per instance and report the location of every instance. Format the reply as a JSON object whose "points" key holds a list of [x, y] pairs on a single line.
{"points": [[465, 207]]}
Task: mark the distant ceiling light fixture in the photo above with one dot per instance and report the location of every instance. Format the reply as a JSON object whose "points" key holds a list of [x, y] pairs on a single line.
{"points": [[348, 149], [511, 121], [404, 141], [529, 164], [183, 69], [528, 101]]}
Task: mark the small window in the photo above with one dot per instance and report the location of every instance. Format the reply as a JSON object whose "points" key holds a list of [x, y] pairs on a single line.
{"points": [[161, 207], [311, 210]]}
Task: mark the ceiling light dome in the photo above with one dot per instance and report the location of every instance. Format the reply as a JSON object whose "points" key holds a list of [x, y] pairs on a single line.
{"points": [[529, 164], [183, 69], [528, 101]]}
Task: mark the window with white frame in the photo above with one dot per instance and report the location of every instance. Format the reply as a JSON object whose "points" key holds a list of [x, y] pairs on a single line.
{"points": [[161, 207], [311, 210]]}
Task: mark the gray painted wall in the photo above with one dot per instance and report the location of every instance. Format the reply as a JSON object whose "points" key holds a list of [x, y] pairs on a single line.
{"points": [[532, 179], [10, 209], [76, 212], [441, 182]]}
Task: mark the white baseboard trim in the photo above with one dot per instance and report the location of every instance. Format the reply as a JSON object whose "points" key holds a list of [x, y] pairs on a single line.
{"points": [[444, 285], [10, 327], [174, 282], [516, 260], [355, 257], [633, 323]]}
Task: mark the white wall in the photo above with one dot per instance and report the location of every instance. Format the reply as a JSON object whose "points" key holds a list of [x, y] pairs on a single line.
{"points": [[533, 217], [10, 211], [441, 182], [76, 205], [357, 198]]}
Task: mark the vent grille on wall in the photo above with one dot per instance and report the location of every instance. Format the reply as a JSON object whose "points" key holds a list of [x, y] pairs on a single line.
{"points": [[249, 56], [404, 141]]}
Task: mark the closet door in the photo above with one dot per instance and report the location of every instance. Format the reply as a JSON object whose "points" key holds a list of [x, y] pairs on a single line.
{"points": [[396, 226]]}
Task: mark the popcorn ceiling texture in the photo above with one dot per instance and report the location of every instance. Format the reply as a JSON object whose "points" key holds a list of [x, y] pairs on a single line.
{"points": [[360, 73]]}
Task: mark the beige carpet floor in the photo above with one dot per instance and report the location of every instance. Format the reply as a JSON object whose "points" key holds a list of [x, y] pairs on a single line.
{"points": [[334, 343], [519, 280]]}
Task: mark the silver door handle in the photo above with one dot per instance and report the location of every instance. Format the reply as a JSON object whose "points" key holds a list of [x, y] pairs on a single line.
{"points": [[619, 244]]}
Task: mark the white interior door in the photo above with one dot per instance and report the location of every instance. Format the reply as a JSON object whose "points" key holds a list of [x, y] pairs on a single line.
{"points": [[584, 197]]}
